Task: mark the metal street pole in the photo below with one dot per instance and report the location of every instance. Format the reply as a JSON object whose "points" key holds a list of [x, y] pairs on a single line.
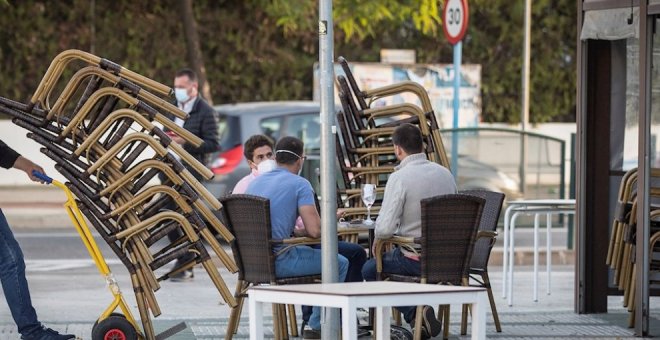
{"points": [[525, 93], [329, 319]]}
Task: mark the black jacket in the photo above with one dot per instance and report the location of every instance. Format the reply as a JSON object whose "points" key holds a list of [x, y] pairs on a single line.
{"points": [[7, 156], [203, 123]]}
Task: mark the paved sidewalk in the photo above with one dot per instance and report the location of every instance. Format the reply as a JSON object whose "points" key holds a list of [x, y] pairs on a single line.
{"points": [[73, 305], [551, 317]]}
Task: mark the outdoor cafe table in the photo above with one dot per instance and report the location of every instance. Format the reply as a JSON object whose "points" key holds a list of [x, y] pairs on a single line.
{"points": [[379, 294], [539, 207], [350, 232]]}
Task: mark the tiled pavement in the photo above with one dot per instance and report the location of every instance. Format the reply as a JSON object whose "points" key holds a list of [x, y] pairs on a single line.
{"points": [[552, 317], [537, 325]]}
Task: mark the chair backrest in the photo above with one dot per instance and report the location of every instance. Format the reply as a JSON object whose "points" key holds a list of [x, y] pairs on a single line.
{"points": [[489, 218], [248, 219], [449, 229]]}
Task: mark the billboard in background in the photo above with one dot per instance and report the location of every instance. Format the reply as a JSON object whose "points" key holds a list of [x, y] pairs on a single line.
{"points": [[437, 79]]}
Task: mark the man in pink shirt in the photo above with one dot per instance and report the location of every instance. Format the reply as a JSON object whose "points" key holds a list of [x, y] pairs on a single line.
{"points": [[256, 149]]}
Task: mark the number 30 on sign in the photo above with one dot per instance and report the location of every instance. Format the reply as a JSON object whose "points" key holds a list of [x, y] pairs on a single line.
{"points": [[455, 20]]}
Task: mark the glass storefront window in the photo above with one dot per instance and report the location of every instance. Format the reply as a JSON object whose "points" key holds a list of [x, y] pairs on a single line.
{"points": [[655, 101], [630, 145], [631, 105]]}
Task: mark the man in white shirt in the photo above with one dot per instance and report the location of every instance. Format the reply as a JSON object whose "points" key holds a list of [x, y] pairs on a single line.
{"points": [[256, 149]]}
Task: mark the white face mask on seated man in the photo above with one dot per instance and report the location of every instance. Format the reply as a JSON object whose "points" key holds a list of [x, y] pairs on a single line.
{"points": [[266, 165]]}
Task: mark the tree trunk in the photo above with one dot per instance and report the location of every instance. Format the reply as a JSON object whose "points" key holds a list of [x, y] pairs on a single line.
{"points": [[194, 52]]}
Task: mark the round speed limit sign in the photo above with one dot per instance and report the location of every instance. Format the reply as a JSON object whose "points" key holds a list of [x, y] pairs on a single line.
{"points": [[455, 20]]}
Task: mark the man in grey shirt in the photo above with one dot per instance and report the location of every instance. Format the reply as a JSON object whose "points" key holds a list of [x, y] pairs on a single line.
{"points": [[414, 179]]}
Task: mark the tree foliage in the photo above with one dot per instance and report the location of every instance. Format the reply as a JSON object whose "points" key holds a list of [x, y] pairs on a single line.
{"points": [[357, 17], [265, 49]]}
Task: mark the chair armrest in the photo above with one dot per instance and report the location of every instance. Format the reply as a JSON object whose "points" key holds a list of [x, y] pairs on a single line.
{"points": [[294, 241], [300, 240], [487, 234], [406, 242]]}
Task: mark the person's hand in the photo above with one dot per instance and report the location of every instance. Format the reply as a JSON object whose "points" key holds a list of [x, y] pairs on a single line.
{"points": [[299, 232], [28, 166], [178, 139], [340, 213]]}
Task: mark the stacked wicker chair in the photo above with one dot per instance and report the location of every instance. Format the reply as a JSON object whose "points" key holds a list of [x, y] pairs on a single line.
{"points": [[364, 145], [101, 134], [621, 255]]}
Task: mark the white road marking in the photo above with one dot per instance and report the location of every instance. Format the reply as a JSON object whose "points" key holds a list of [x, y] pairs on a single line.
{"points": [[62, 264], [72, 234]]}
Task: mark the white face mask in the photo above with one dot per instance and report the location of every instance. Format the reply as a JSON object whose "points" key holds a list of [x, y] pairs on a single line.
{"points": [[181, 95], [266, 165]]}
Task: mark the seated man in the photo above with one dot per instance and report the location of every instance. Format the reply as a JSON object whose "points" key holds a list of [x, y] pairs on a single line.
{"points": [[258, 151], [290, 196], [257, 148], [414, 179]]}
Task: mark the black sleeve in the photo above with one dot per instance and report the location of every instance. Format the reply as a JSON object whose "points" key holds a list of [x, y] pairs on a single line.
{"points": [[7, 156], [208, 132]]}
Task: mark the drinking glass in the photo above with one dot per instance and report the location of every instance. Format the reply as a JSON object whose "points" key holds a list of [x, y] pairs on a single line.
{"points": [[369, 198]]}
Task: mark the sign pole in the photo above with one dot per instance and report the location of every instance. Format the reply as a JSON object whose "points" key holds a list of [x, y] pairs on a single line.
{"points": [[457, 105], [454, 23]]}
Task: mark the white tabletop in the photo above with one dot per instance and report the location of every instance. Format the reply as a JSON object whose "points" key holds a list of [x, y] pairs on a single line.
{"points": [[367, 288], [348, 225], [543, 202]]}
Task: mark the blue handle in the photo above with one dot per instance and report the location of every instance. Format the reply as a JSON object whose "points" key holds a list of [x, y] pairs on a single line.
{"points": [[42, 176]]}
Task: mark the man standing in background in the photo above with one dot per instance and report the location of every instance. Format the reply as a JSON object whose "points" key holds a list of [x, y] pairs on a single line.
{"points": [[202, 122]]}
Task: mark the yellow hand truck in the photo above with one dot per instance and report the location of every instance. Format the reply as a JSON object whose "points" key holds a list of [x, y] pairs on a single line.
{"points": [[110, 325]]}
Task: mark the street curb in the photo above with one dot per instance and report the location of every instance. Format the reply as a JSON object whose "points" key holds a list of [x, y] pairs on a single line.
{"points": [[26, 218], [525, 257]]}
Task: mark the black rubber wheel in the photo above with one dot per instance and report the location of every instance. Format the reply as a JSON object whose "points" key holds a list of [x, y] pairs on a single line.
{"points": [[111, 314], [114, 327], [400, 333]]}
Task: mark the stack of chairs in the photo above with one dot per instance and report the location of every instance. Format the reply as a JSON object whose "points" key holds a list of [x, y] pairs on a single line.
{"points": [[364, 144], [101, 133], [621, 254]]}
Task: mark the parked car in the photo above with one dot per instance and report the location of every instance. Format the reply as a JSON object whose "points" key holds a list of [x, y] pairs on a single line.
{"points": [[476, 175], [237, 122], [301, 119]]}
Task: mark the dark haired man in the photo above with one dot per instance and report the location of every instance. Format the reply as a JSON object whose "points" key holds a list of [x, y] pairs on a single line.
{"points": [[290, 196], [12, 264], [414, 179], [202, 122], [256, 149]]}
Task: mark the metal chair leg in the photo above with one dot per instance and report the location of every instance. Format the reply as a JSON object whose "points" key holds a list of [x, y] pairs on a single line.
{"points": [[293, 325], [464, 319], [493, 308], [419, 315]]}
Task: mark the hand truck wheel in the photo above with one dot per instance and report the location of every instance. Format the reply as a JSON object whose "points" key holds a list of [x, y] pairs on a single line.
{"points": [[114, 327], [111, 314]]}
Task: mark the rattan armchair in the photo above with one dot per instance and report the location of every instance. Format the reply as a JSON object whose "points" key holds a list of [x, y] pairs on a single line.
{"points": [[484, 244], [62, 60], [408, 86], [248, 219], [449, 229], [97, 78]]}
